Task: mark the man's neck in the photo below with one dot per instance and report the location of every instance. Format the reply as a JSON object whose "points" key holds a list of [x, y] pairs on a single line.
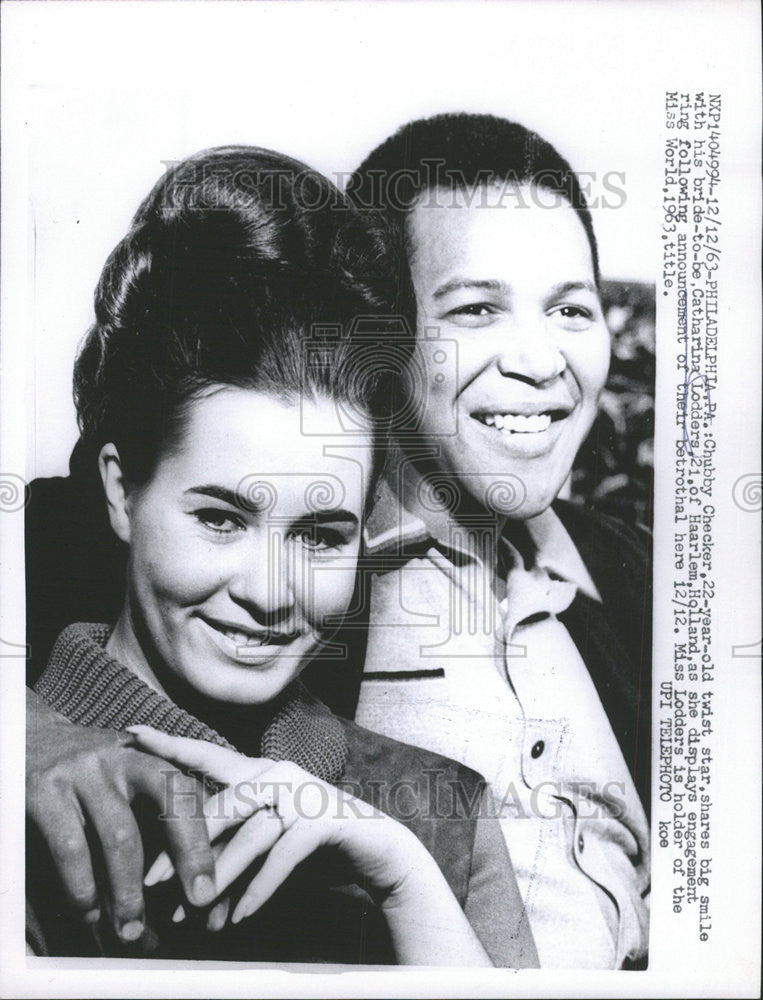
{"points": [[435, 496]]}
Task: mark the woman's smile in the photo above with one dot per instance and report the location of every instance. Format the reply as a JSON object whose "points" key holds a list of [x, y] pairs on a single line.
{"points": [[256, 648], [235, 586]]}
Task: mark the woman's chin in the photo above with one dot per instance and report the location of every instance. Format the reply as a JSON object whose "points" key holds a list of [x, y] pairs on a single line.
{"points": [[243, 679], [239, 686]]}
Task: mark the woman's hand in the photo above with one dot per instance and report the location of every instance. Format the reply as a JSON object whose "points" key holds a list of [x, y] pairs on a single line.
{"points": [[286, 813]]}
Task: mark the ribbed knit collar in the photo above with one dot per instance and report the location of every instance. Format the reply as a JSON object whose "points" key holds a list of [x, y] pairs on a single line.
{"points": [[84, 683]]}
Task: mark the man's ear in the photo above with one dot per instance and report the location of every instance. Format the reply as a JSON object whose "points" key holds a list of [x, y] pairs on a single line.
{"points": [[110, 467]]}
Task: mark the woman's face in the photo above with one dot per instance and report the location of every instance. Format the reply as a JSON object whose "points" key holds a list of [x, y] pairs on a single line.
{"points": [[244, 543]]}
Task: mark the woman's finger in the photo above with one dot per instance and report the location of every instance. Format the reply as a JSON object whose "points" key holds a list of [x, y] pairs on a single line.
{"points": [[161, 870], [234, 805], [266, 805], [295, 846], [229, 807], [255, 838], [218, 762], [218, 915]]}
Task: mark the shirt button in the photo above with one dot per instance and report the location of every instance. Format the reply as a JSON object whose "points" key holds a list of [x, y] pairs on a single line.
{"points": [[581, 843], [537, 749]]}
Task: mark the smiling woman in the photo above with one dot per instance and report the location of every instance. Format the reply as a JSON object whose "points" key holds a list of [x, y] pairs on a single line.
{"points": [[244, 609], [237, 459]]}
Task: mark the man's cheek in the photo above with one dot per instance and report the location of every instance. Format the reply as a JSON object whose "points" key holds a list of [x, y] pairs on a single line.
{"points": [[597, 362]]}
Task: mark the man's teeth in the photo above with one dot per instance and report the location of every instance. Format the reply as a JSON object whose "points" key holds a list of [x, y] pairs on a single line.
{"points": [[515, 423]]}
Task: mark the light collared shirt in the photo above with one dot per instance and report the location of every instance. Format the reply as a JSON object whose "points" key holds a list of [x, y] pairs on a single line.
{"points": [[467, 656]]}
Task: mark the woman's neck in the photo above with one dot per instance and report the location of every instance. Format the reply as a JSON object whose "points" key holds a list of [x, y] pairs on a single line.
{"points": [[241, 725], [124, 646]]}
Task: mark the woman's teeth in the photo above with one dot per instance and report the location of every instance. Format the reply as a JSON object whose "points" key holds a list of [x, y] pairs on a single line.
{"points": [[245, 638], [515, 423]]}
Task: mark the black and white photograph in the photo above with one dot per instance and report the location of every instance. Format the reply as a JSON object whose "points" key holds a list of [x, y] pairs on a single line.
{"points": [[380, 425]]}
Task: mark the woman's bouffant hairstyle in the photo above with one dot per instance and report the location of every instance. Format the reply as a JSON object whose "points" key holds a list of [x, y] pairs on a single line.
{"points": [[457, 152], [242, 267]]}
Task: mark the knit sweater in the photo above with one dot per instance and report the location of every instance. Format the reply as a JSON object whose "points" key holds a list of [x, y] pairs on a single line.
{"points": [[88, 686], [309, 918], [84, 683]]}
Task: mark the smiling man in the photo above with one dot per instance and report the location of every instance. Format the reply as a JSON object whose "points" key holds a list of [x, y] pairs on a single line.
{"points": [[508, 629], [513, 288]]}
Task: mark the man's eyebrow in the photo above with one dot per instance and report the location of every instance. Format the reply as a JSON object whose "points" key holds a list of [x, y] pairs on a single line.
{"points": [[246, 503], [564, 287], [495, 285], [456, 284]]}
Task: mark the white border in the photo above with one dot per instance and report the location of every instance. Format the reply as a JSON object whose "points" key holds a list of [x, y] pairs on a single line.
{"points": [[325, 81]]}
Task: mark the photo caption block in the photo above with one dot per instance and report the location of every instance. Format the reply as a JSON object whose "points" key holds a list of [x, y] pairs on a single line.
{"points": [[691, 265]]}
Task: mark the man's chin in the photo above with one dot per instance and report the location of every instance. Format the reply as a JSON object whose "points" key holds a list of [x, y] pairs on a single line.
{"points": [[517, 508], [508, 495]]}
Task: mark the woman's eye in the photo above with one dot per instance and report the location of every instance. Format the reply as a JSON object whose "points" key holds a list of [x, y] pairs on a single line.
{"points": [[219, 521], [318, 537]]}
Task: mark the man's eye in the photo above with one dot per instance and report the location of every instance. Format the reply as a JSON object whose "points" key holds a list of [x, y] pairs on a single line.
{"points": [[472, 314], [573, 317], [219, 521], [473, 309]]}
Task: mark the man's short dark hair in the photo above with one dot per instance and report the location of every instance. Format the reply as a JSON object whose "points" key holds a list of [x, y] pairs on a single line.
{"points": [[458, 152]]}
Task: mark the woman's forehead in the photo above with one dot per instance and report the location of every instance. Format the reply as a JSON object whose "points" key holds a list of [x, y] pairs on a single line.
{"points": [[253, 443]]}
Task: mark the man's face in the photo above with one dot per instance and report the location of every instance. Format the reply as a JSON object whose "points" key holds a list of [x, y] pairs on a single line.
{"points": [[511, 283]]}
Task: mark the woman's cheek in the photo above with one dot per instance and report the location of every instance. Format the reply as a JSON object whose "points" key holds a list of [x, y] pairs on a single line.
{"points": [[194, 577], [181, 569], [330, 591]]}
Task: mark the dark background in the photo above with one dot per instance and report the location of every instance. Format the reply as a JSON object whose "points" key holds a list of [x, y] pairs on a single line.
{"points": [[614, 468]]}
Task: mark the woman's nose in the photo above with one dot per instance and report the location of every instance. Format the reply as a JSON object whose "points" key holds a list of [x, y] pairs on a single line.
{"points": [[530, 352], [263, 578]]}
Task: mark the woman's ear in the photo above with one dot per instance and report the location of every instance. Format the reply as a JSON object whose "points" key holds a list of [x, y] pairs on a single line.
{"points": [[110, 467]]}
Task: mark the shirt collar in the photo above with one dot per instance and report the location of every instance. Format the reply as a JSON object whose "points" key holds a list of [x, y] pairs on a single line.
{"points": [[404, 513]]}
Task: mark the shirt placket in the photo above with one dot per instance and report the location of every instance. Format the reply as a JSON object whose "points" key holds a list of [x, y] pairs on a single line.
{"points": [[547, 732]]}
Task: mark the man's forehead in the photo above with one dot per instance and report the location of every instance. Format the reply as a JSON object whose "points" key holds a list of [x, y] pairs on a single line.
{"points": [[492, 194], [484, 227]]}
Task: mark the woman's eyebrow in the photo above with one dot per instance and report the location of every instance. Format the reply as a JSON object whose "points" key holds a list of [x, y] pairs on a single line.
{"points": [[243, 502], [485, 284], [221, 493], [330, 516]]}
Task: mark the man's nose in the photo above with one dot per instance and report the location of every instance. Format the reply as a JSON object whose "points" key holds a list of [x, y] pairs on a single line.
{"points": [[529, 351], [263, 578]]}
